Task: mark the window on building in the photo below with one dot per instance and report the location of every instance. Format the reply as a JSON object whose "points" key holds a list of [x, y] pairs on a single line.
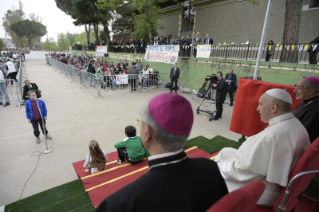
{"points": [[314, 4], [188, 16]]}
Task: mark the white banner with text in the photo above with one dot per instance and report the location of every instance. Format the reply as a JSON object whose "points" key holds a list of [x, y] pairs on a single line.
{"points": [[101, 50], [122, 79], [203, 51], [162, 53]]}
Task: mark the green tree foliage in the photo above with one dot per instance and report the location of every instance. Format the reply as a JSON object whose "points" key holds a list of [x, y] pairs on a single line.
{"points": [[11, 17], [146, 23], [123, 24], [50, 44], [63, 41], [81, 38], [65, 5], [2, 45], [71, 36], [29, 29], [145, 17], [88, 13]]}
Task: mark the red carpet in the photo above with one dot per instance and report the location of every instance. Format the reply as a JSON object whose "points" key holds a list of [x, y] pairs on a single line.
{"points": [[103, 184], [245, 119]]}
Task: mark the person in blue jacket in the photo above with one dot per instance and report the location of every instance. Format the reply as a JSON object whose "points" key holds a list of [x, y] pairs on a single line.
{"points": [[36, 110]]}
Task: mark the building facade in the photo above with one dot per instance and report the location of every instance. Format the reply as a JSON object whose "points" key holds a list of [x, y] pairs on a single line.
{"points": [[235, 21]]}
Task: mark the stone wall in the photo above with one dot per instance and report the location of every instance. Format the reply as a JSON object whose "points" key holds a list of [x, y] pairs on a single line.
{"points": [[171, 25], [234, 21], [240, 21]]}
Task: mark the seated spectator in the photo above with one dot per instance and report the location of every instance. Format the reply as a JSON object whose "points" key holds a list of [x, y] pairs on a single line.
{"points": [[30, 86], [97, 158], [131, 148], [173, 181], [112, 80], [270, 155], [125, 63]]}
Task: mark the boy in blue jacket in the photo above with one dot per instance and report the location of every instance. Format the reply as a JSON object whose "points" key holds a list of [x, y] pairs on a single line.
{"points": [[36, 111]]}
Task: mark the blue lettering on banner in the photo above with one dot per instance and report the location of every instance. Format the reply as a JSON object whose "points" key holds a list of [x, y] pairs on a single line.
{"points": [[163, 48]]}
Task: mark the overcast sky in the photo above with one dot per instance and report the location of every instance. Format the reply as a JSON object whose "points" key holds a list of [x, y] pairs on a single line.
{"points": [[53, 18]]}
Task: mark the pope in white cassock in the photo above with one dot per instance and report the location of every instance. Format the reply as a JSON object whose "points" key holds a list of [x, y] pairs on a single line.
{"points": [[270, 155]]}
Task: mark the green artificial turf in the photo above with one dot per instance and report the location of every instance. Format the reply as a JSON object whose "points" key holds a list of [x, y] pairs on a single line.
{"points": [[71, 203], [217, 143], [213, 145], [48, 197], [72, 197], [195, 141], [87, 207]]}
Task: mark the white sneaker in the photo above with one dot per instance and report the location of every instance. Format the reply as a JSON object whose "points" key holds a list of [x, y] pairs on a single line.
{"points": [[119, 161]]}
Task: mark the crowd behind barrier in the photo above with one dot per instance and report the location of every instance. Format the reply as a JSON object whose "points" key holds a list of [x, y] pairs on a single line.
{"points": [[13, 86], [101, 75], [306, 52], [231, 51]]}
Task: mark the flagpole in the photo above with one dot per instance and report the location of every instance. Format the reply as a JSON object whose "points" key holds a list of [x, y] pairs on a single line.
{"points": [[261, 45]]}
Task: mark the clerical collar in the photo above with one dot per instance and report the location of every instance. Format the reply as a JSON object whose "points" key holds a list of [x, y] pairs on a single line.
{"points": [[168, 161], [280, 118], [309, 100], [164, 155]]}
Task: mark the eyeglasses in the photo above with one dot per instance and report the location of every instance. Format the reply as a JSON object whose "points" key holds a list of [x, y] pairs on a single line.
{"points": [[139, 121]]}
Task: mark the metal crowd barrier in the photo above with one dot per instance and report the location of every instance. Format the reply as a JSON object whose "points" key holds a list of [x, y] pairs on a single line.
{"points": [[108, 82], [154, 80], [13, 92], [87, 80]]}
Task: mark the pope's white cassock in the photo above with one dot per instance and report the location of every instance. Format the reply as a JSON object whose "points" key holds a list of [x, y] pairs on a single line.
{"points": [[268, 156]]}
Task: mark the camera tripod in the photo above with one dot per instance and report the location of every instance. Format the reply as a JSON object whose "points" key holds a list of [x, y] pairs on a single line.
{"points": [[210, 88]]}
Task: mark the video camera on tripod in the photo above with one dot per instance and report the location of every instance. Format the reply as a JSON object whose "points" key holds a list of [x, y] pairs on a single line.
{"points": [[212, 79]]}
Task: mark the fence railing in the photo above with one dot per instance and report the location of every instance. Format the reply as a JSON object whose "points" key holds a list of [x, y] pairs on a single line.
{"points": [[13, 88], [250, 51], [101, 82], [227, 51]]}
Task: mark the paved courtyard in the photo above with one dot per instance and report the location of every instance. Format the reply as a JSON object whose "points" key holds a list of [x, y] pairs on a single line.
{"points": [[74, 118]]}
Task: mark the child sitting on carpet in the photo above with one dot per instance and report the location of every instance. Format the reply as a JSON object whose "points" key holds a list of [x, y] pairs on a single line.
{"points": [[97, 158], [131, 147]]}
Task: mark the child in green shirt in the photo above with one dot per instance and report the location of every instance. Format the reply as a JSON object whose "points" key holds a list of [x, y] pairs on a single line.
{"points": [[131, 147]]}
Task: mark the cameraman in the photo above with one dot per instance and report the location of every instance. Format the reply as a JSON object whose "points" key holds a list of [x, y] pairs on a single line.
{"points": [[30, 86], [221, 89]]}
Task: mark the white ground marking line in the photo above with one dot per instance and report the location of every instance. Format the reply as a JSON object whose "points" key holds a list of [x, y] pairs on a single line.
{"points": [[59, 128]]}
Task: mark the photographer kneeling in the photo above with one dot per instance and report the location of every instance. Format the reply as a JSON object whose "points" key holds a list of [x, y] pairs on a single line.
{"points": [[30, 86], [221, 89]]}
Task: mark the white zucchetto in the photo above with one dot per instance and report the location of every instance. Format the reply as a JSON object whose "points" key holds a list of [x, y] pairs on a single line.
{"points": [[280, 94]]}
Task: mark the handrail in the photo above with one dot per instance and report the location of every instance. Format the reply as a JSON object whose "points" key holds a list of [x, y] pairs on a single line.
{"points": [[282, 207]]}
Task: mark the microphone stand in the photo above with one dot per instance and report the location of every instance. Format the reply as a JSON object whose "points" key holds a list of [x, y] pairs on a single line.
{"points": [[47, 150]]}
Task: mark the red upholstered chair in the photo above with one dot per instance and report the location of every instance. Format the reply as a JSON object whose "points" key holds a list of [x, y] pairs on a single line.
{"points": [[307, 162], [241, 200]]}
